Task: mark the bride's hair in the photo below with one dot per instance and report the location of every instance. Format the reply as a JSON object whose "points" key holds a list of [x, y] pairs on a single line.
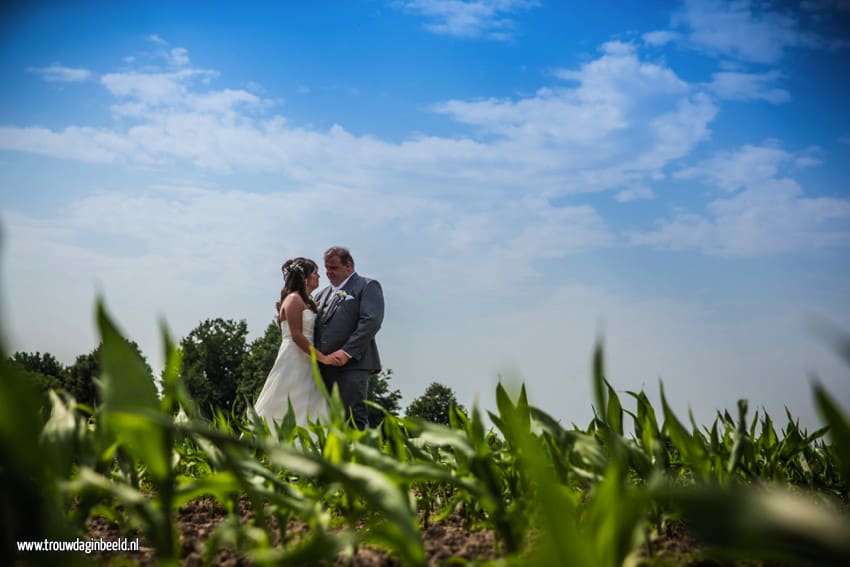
{"points": [[295, 274]]}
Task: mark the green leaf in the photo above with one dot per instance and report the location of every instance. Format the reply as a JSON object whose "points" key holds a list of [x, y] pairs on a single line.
{"points": [[523, 412], [220, 485], [599, 379], [60, 433], [742, 439], [839, 430], [614, 516], [503, 401], [751, 523], [690, 448], [175, 394], [129, 399], [614, 415]]}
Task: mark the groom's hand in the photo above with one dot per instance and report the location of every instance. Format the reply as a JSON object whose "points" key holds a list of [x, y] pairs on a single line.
{"points": [[338, 358]]}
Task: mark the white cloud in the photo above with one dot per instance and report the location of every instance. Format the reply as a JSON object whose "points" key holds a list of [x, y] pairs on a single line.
{"points": [[749, 86], [806, 161], [636, 193], [526, 230], [673, 135], [487, 19], [153, 89], [809, 157], [768, 214], [581, 137], [616, 125], [660, 37], [771, 219], [612, 128], [174, 58], [554, 232], [77, 143], [747, 167], [744, 30], [179, 56], [619, 75], [57, 73]]}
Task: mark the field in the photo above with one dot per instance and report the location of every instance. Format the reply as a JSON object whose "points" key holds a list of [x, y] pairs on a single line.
{"points": [[637, 486]]}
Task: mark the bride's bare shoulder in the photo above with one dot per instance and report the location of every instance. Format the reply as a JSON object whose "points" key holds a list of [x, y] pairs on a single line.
{"points": [[293, 298], [292, 304]]}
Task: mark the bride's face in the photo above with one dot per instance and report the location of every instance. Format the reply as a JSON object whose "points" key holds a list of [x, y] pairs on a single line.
{"points": [[312, 281]]}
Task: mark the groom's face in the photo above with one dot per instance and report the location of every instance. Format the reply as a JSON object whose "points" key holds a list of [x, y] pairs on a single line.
{"points": [[337, 271]]}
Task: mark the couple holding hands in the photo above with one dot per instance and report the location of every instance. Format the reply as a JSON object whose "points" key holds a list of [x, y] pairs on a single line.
{"points": [[340, 322]]}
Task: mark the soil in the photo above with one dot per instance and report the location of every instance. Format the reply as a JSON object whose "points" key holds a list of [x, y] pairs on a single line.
{"points": [[447, 542]]}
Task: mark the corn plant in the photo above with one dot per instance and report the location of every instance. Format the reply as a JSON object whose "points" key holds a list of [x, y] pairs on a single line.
{"points": [[551, 495]]}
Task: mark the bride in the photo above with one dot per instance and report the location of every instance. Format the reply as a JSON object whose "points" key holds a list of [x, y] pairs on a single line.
{"points": [[291, 378]]}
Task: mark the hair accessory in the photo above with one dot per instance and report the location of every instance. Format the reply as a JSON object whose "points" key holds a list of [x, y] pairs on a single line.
{"points": [[294, 267]]}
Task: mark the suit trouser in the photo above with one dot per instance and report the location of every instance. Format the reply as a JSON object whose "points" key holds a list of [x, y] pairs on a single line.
{"points": [[353, 390]]}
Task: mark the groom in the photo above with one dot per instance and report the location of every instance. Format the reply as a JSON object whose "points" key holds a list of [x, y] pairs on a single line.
{"points": [[351, 310]]}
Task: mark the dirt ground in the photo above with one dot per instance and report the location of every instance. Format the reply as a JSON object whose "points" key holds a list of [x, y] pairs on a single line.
{"points": [[446, 543]]}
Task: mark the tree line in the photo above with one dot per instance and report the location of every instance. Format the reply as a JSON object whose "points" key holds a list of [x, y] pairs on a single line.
{"points": [[224, 372]]}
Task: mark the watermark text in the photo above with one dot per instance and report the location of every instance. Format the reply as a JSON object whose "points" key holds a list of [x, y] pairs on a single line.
{"points": [[84, 545]]}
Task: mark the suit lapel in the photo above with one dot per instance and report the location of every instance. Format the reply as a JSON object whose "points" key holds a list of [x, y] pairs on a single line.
{"points": [[332, 302], [332, 305], [324, 302]]}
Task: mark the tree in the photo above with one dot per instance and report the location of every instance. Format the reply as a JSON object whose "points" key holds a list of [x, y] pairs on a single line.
{"points": [[380, 393], [81, 376], [434, 404], [42, 363], [258, 362], [213, 357], [42, 370]]}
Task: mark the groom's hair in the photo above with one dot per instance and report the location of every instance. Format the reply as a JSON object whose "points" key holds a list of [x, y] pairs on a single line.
{"points": [[342, 253]]}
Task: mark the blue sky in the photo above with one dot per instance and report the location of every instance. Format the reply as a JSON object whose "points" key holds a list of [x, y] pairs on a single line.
{"points": [[522, 177]]}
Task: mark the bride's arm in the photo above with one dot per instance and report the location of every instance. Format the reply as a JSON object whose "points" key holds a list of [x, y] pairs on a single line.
{"points": [[292, 310]]}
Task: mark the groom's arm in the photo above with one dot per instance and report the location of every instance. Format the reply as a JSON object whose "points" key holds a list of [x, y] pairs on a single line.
{"points": [[371, 317]]}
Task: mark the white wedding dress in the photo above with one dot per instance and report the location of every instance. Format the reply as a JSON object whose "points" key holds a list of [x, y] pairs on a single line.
{"points": [[291, 380]]}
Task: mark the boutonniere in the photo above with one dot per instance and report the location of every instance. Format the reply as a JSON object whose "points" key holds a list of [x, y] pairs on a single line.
{"points": [[342, 295]]}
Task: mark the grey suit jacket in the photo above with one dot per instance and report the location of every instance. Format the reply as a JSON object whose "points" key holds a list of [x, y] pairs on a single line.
{"points": [[350, 323]]}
